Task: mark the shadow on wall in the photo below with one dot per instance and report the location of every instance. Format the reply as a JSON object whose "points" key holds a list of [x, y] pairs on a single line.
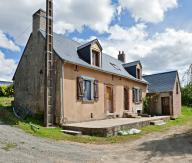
{"points": [[178, 144]]}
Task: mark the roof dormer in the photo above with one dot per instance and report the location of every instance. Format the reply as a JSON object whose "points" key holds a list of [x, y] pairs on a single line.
{"points": [[134, 69], [91, 53]]}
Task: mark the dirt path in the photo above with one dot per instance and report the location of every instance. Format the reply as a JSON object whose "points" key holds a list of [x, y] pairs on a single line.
{"points": [[174, 145]]}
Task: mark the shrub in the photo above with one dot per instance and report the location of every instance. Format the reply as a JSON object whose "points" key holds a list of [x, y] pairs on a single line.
{"points": [[7, 91], [10, 90], [3, 91], [146, 105]]}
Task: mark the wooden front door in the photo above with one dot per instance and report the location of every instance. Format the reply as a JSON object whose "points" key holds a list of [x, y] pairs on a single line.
{"points": [[165, 105], [126, 98], [109, 99]]}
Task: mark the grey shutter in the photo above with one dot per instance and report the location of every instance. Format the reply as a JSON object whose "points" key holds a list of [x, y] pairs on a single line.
{"points": [[96, 90], [80, 91], [140, 95], [133, 95]]}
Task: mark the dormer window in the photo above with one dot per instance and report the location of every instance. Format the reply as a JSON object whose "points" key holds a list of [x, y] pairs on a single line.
{"points": [[134, 69], [138, 73], [96, 58], [91, 53]]}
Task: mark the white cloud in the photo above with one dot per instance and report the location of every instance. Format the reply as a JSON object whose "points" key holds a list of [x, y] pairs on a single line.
{"points": [[69, 15], [7, 67], [7, 43], [148, 10], [78, 13]]}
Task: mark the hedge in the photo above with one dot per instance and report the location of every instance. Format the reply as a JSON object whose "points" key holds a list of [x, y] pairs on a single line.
{"points": [[7, 91], [187, 95]]}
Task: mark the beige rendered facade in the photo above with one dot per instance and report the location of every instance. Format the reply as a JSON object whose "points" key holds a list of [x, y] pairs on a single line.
{"points": [[75, 110]]}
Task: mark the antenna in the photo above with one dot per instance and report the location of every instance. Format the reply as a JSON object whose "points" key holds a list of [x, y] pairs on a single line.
{"points": [[49, 68]]}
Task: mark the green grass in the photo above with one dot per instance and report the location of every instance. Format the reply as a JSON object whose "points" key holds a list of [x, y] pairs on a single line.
{"points": [[7, 117], [5, 101]]}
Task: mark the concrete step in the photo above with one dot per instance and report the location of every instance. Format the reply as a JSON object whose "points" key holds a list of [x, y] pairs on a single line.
{"points": [[157, 123], [130, 115], [70, 132]]}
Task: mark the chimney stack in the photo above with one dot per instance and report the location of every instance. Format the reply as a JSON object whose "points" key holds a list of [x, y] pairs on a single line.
{"points": [[121, 56], [39, 21]]}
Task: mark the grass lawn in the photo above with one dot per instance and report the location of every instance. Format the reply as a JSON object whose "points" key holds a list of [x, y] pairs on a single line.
{"points": [[6, 115], [5, 101]]}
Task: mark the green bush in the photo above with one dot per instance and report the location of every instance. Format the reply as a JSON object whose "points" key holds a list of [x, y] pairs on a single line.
{"points": [[187, 95], [10, 90], [3, 91], [7, 91], [146, 105]]}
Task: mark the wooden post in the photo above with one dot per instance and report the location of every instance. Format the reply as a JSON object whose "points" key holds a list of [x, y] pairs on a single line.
{"points": [[49, 68]]}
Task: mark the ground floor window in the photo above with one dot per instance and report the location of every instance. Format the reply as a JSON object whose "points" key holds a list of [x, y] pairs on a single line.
{"points": [[87, 89], [137, 95]]}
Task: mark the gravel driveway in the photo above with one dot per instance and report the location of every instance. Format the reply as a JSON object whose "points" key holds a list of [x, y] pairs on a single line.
{"points": [[174, 145]]}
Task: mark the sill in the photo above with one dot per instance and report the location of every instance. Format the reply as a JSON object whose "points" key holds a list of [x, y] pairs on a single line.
{"points": [[138, 103], [88, 101], [96, 66]]}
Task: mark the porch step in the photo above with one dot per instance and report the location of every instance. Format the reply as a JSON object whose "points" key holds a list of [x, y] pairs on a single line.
{"points": [[130, 115], [145, 115], [157, 123], [70, 132]]}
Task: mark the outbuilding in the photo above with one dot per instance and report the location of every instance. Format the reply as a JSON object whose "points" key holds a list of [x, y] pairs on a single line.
{"points": [[164, 92]]}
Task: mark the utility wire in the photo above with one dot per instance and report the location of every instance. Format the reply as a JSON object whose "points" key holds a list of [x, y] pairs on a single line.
{"points": [[22, 33]]}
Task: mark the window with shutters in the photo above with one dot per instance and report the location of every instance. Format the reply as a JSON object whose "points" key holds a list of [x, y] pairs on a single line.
{"points": [[137, 95], [88, 93], [87, 89]]}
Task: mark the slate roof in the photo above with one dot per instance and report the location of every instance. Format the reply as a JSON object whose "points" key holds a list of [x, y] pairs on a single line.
{"points": [[89, 43], [67, 50], [162, 82], [132, 64]]}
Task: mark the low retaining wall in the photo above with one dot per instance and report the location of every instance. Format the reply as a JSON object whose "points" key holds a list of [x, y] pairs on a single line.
{"points": [[111, 131]]}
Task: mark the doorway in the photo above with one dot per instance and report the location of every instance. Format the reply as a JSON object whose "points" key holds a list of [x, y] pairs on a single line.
{"points": [[109, 99], [126, 98], [165, 105]]}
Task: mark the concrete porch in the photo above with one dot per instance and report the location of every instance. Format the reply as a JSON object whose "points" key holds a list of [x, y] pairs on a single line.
{"points": [[110, 127]]}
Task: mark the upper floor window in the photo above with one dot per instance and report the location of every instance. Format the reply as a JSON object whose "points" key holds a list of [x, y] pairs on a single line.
{"points": [[177, 88], [138, 73], [96, 58]]}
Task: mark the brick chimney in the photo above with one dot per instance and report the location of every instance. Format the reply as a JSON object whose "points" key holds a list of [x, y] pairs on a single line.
{"points": [[121, 56], [39, 21]]}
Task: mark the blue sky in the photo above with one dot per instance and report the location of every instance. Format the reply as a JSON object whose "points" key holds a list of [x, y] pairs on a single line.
{"points": [[158, 32]]}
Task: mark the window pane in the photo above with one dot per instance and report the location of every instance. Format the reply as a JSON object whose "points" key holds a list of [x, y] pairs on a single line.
{"points": [[95, 58], [87, 91]]}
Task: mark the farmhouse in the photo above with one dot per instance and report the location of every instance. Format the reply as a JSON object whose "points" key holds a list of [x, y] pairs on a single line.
{"points": [[164, 93], [88, 84]]}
